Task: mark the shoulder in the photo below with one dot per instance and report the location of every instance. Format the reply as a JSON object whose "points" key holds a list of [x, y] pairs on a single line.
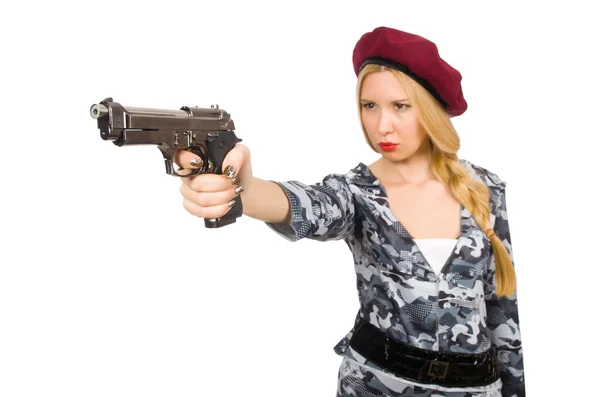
{"points": [[357, 175], [482, 174], [496, 186]]}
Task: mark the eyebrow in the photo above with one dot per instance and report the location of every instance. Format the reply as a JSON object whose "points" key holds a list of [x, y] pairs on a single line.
{"points": [[396, 101]]}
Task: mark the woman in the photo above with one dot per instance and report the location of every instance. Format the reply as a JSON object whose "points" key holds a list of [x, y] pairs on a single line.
{"points": [[429, 233]]}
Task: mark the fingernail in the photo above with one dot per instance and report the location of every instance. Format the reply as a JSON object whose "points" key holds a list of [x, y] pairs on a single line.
{"points": [[239, 189], [231, 203], [229, 171], [235, 180], [195, 162]]}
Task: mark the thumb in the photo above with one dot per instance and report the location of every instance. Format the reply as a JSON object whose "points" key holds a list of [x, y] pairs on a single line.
{"points": [[236, 158]]}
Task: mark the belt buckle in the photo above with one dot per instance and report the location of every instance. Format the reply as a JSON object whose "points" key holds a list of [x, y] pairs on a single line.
{"points": [[438, 369]]}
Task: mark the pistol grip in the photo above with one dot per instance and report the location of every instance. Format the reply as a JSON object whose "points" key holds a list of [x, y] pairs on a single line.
{"points": [[220, 146], [227, 219], [218, 149]]}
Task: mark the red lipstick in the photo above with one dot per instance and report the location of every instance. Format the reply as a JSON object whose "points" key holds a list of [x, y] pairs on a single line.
{"points": [[388, 146]]}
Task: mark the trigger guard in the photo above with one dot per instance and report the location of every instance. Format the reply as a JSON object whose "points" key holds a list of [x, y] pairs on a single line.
{"points": [[198, 151], [191, 174]]}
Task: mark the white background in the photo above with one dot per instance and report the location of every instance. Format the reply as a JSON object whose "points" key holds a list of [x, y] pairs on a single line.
{"points": [[108, 287]]}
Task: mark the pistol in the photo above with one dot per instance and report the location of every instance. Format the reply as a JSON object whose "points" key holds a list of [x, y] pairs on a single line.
{"points": [[206, 132]]}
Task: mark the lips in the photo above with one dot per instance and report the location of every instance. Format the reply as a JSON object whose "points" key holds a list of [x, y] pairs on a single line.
{"points": [[388, 146]]}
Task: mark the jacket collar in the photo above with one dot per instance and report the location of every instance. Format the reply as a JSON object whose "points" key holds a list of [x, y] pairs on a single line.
{"points": [[361, 175]]}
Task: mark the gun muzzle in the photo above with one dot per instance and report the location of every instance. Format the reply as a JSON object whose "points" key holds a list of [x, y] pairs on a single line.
{"points": [[98, 110]]}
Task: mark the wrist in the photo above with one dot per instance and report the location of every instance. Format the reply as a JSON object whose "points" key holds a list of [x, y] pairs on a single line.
{"points": [[248, 194]]}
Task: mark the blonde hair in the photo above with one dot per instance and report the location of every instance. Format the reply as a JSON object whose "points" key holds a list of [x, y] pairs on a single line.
{"points": [[446, 167]]}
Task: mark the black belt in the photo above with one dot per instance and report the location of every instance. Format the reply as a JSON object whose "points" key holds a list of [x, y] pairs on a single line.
{"points": [[423, 366]]}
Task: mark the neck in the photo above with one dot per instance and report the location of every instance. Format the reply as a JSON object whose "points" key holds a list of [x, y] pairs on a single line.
{"points": [[413, 170]]}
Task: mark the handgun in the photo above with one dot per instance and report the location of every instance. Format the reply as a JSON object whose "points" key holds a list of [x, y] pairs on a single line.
{"points": [[207, 132]]}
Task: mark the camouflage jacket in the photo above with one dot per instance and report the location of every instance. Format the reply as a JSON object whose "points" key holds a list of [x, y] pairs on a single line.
{"points": [[455, 311]]}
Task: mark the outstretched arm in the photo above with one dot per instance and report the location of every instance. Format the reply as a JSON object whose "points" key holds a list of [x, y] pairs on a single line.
{"points": [[323, 211]]}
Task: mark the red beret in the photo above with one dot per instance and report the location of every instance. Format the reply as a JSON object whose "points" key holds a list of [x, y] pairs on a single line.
{"points": [[418, 58]]}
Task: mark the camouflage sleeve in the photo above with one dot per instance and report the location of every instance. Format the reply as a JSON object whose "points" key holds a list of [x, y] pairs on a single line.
{"points": [[323, 211], [503, 317]]}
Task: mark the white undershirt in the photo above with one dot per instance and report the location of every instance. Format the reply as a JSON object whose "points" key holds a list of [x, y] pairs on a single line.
{"points": [[436, 250]]}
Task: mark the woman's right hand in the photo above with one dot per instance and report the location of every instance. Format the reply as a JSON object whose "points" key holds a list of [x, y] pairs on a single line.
{"points": [[211, 195]]}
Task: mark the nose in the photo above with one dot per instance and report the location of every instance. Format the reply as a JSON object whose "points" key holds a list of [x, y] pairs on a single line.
{"points": [[385, 124]]}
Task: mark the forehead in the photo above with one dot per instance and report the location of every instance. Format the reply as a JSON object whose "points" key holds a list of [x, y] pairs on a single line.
{"points": [[382, 85]]}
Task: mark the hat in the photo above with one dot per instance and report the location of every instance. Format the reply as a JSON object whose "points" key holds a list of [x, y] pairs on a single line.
{"points": [[418, 58]]}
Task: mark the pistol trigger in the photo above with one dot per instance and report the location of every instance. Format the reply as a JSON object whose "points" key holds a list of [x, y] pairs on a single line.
{"points": [[192, 173]]}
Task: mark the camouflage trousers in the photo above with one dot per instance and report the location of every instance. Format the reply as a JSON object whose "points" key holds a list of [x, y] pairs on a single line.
{"points": [[358, 380]]}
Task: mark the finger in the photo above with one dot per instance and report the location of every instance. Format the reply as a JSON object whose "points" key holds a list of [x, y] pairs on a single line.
{"points": [[236, 158], [206, 212], [207, 182], [209, 199], [183, 158]]}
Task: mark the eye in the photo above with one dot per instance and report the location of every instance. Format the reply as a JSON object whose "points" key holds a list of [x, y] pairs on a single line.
{"points": [[402, 106], [368, 105]]}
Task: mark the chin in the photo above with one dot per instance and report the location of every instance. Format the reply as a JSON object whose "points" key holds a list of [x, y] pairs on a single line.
{"points": [[397, 155], [393, 156]]}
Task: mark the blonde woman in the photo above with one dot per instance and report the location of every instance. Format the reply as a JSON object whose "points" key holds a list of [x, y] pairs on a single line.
{"points": [[429, 233]]}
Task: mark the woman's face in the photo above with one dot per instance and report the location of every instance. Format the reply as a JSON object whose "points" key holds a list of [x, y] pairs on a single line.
{"points": [[389, 119]]}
